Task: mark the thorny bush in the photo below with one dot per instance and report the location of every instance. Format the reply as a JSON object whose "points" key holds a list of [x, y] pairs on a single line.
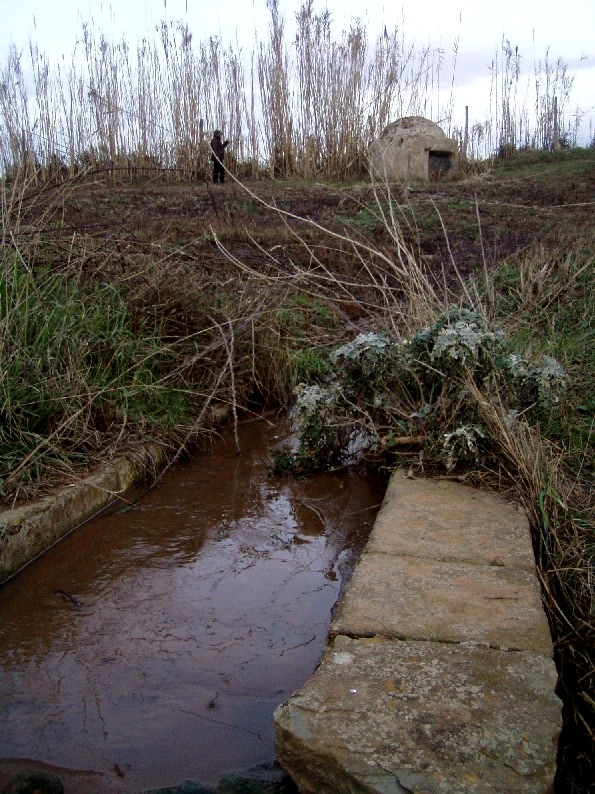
{"points": [[385, 392]]}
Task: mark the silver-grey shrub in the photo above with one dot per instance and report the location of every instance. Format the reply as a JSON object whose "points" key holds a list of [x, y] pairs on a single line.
{"points": [[383, 389]]}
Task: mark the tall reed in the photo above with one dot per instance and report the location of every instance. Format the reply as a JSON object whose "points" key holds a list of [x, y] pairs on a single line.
{"points": [[307, 107]]}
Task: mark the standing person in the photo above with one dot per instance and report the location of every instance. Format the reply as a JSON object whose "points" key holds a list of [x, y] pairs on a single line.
{"points": [[218, 148]]}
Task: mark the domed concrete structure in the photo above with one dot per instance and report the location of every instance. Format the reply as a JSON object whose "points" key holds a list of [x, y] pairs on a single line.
{"points": [[412, 148]]}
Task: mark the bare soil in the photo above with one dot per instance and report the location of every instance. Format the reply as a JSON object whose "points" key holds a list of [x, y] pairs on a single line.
{"points": [[485, 216]]}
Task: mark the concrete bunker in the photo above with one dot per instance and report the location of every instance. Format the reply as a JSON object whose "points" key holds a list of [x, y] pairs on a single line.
{"points": [[412, 149]]}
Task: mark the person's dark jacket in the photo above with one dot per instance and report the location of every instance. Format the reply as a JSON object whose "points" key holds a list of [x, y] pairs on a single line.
{"points": [[218, 147]]}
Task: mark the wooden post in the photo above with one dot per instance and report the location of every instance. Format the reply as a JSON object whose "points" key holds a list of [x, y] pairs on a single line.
{"points": [[466, 135], [556, 136]]}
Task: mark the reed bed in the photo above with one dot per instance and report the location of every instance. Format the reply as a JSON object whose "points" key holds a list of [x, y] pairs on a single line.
{"points": [[307, 107]]}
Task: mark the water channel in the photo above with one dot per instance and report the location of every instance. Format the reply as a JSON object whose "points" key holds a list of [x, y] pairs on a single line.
{"points": [[152, 646]]}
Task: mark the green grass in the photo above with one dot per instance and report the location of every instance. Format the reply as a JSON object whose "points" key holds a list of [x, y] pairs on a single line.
{"points": [[74, 364], [547, 301], [292, 344], [541, 165]]}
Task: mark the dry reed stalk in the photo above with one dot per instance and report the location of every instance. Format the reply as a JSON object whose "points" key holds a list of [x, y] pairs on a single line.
{"points": [[395, 285], [306, 108]]}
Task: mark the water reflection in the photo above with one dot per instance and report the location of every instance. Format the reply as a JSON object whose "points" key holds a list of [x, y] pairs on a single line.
{"points": [[153, 645]]}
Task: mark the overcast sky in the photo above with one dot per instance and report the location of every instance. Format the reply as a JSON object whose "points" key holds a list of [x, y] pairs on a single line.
{"points": [[535, 26]]}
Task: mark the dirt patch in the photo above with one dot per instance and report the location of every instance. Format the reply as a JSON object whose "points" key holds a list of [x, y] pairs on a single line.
{"points": [[492, 215]]}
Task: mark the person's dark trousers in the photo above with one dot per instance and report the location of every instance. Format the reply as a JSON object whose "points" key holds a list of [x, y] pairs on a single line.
{"points": [[218, 171]]}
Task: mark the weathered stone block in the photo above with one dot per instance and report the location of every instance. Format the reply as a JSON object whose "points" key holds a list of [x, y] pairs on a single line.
{"points": [[446, 521], [418, 598], [439, 675], [392, 716]]}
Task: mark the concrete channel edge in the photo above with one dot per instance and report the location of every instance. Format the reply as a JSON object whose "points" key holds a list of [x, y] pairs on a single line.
{"points": [[438, 673], [28, 531]]}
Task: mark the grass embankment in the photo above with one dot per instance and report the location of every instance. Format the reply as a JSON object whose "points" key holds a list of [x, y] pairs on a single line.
{"points": [[128, 310], [108, 341]]}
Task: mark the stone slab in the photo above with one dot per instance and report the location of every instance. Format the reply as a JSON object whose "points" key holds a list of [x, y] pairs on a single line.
{"points": [[447, 521], [417, 598], [392, 716]]}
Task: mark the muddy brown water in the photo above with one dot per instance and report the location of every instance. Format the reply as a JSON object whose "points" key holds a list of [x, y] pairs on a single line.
{"points": [[151, 646]]}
